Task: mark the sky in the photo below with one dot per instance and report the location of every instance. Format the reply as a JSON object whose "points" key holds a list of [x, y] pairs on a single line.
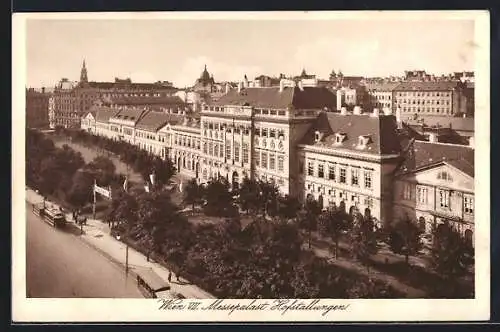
{"points": [[177, 50]]}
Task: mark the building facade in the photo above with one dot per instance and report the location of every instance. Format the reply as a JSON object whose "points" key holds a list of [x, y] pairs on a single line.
{"points": [[380, 95], [430, 98], [37, 109], [435, 185], [290, 136], [74, 99]]}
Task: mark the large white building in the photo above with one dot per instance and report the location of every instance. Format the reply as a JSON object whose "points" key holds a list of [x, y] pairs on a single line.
{"points": [[289, 135]]}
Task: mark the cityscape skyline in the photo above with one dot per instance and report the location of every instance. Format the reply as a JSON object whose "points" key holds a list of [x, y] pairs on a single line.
{"points": [[56, 48]]}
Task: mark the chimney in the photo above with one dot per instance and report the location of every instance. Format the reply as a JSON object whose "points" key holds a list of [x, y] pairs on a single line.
{"points": [[282, 85], [301, 86], [387, 111], [433, 138], [471, 141], [357, 110], [343, 110], [227, 88], [376, 112]]}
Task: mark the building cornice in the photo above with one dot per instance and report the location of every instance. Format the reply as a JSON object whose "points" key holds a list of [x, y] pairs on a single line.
{"points": [[348, 154]]}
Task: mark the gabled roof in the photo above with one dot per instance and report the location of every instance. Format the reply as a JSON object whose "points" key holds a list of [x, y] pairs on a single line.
{"points": [[153, 121], [103, 114], [130, 114], [424, 154], [426, 86], [308, 98], [382, 131], [173, 100]]}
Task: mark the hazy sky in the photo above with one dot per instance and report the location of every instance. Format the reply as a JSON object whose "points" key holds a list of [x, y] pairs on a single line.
{"points": [[176, 50]]}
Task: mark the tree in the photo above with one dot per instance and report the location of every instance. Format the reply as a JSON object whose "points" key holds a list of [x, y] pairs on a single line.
{"points": [[81, 189], [268, 197], [405, 238], [334, 223], [308, 216], [219, 200], [192, 193], [451, 254], [363, 237], [288, 207], [249, 195], [103, 170]]}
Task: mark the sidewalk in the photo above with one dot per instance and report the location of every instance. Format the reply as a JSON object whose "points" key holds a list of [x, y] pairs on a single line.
{"points": [[97, 234]]}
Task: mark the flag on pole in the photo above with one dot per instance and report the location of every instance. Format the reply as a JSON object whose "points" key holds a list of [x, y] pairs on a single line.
{"points": [[125, 184], [152, 178]]}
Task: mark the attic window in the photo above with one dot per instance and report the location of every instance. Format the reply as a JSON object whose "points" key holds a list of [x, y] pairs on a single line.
{"points": [[363, 141], [444, 176], [340, 138], [318, 136]]}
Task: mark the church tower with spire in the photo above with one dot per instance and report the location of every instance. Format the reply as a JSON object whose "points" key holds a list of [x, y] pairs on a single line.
{"points": [[83, 74]]}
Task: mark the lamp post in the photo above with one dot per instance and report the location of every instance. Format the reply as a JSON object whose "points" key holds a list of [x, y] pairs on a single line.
{"points": [[126, 254]]}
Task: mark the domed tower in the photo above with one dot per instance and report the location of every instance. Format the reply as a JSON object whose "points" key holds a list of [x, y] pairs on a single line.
{"points": [[83, 74]]}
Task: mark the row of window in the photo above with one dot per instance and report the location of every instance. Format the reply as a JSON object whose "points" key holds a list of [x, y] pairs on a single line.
{"points": [[329, 172], [269, 112], [187, 141], [443, 110], [423, 102], [423, 94], [341, 194], [443, 196], [269, 132], [269, 160]]}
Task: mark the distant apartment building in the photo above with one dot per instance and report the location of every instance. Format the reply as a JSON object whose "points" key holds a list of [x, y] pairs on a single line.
{"points": [[37, 108], [380, 95], [74, 99], [350, 97], [430, 98]]}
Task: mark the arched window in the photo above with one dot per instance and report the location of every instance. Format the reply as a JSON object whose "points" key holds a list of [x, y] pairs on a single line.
{"points": [[469, 236]]}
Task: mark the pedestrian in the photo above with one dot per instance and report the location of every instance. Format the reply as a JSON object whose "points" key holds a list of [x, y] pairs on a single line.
{"points": [[147, 256], [178, 275], [169, 276]]}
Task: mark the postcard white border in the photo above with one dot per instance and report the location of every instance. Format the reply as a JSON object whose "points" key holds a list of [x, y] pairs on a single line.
{"points": [[106, 310]]}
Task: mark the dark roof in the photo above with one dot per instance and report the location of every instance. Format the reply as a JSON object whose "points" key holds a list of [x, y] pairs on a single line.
{"points": [[424, 154], [381, 86], [426, 86], [382, 131], [130, 114], [308, 98], [455, 123], [104, 113], [169, 100], [127, 85], [152, 121]]}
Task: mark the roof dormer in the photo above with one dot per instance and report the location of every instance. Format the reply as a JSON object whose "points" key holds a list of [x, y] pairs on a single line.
{"points": [[363, 141], [340, 138], [318, 136]]}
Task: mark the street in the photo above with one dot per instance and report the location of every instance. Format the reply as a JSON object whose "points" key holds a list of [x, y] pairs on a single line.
{"points": [[60, 265]]}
